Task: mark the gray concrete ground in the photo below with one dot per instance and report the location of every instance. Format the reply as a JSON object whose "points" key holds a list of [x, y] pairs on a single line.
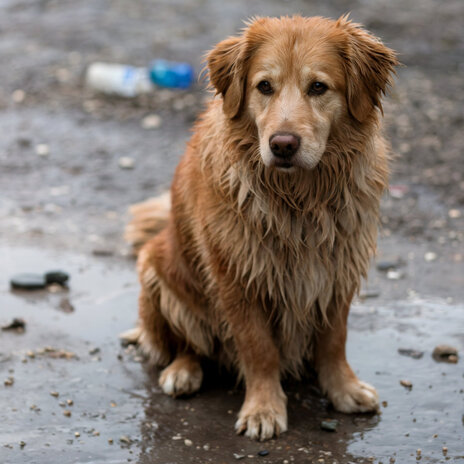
{"points": [[65, 209]]}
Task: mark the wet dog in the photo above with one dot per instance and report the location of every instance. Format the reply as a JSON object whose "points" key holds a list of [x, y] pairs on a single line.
{"points": [[271, 219]]}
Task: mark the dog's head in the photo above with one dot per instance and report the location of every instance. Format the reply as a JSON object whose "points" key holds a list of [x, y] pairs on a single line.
{"points": [[297, 78]]}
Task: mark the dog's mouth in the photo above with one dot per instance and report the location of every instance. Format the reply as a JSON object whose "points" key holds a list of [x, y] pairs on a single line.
{"points": [[283, 164]]}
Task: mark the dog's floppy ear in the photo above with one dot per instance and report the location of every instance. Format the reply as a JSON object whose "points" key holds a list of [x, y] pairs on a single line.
{"points": [[369, 66], [227, 73]]}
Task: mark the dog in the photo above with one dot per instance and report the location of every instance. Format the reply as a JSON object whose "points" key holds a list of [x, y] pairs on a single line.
{"points": [[254, 257]]}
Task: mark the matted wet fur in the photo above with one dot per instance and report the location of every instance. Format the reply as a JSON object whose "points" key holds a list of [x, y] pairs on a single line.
{"points": [[273, 218]]}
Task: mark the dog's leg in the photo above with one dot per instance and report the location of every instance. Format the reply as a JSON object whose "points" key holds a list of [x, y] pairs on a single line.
{"points": [[183, 376], [264, 411], [338, 381]]}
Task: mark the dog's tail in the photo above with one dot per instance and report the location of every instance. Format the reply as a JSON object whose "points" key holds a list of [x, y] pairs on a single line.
{"points": [[148, 218]]}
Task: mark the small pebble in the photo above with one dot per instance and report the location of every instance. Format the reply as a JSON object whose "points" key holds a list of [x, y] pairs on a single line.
{"points": [[30, 354], [56, 277], [454, 213], [42, 149], [22, 444], [93, 351], [69, 402], [67, 413], [430, 256], [125, 439], [77, 434], [28, 281], [239, 456], [54, 394], [17, 324], [18, 95], [329, 425], [415, 354], [418, 451], [263, 453], [110, 441], [395, 275], [445, 353], [445, 450], [188, 442], [96, 433], [384, 404], [66, 306], [385, 266], [206, 447], [152, 121], [9, 382], [406, 383], [126, 162]]}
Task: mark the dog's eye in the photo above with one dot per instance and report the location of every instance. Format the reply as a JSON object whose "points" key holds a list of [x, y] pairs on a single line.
{"points": [[317, 88], [265, 88]]}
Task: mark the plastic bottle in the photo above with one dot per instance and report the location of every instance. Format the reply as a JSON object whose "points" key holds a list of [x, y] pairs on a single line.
{"points": [[128, 81], [170, 74], [118, 79]]}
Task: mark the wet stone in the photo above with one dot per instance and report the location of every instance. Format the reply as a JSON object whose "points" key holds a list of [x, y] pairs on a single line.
{"points": [[411, 353], [28, 281], [406, 384], [329, 425], [16, 324], [445, 353], [56, 277], [263, 453]]}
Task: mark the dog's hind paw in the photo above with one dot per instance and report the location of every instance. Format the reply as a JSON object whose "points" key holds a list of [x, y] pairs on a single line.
{"points": [[182, 377]]}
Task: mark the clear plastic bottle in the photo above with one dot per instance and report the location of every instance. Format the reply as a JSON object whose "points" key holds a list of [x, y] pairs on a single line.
{"points": [[118, 79], [128, 81]]}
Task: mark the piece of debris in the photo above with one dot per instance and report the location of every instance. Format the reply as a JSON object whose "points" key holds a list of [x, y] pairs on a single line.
{"points": [[126, 162], [9, 382], [430, 256], [28, 281], [42, 149], [188, 442], [152, 121], [330, 425], [384, 266], [16, 324], [94, 350], [239, 456], [364, 294], [415, 354], [56, 353], [406, 384], [65, 305], [445, 353], [56, 277], [398, 191], [394, 274], [103, 252], [125, 439]]}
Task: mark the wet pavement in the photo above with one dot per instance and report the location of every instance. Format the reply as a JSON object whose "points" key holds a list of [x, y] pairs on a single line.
{"points": [[68, 208], [118, 413]]}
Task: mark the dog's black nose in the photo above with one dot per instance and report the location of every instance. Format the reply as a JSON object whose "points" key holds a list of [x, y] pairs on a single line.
{"points": [[284, 145]]}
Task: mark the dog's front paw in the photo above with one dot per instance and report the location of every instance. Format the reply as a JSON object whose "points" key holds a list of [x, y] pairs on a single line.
{"points": [[354, 396], [261, 420], [182, 377]]}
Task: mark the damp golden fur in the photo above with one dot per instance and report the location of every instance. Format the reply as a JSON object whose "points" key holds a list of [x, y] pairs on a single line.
{"points": [[262, 244]]}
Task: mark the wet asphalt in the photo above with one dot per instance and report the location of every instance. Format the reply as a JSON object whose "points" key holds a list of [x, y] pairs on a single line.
{"points": [[67, 209]]}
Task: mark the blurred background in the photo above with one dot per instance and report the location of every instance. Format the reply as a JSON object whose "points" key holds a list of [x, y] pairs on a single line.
{"points": [[71, 162]]}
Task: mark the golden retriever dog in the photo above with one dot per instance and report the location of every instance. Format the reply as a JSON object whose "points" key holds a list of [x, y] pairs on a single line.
{"points": [[272, 218]]}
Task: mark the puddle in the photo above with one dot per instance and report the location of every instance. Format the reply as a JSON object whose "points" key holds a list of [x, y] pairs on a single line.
{"points": [[115, 395]]}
